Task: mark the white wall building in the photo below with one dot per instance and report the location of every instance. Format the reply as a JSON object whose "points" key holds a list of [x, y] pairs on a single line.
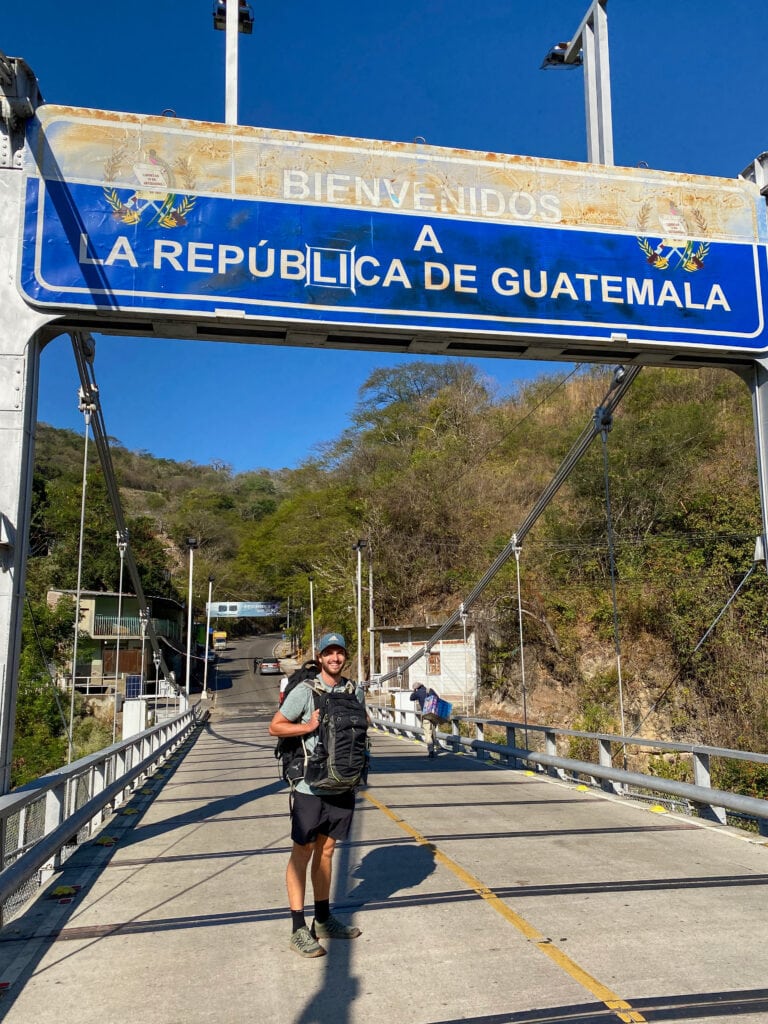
{"points": [[450, 668]]}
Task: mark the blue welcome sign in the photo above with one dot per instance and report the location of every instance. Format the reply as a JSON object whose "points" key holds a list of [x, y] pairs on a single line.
{"points": [[242, 609], [408, 239]]}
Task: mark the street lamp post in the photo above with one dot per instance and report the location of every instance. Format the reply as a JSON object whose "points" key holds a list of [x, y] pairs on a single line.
{"points": [[122, 547], [207, 638], [191, 544], [589, 47], [156, 661], [359, 549], [143, 620], [371, 638], [232, 18], [312, 612]]}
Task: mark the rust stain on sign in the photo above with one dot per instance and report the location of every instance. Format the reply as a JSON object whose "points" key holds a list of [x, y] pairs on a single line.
{"points": [[156, 155]]}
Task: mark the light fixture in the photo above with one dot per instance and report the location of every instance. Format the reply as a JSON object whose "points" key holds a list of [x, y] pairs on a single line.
{"points": [[244, 17], [555, 58]]}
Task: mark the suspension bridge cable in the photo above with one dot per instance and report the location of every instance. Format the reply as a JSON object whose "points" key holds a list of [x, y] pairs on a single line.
{"points": [[622, 380], [86, 408], [604, 423], [84, 347], [690, 657], [522, 649]]}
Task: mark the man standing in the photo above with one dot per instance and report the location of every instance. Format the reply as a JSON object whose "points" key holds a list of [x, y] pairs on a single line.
{"points": [[318, 819]]}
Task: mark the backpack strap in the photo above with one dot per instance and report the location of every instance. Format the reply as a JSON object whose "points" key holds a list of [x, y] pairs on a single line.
{"points": [[346, 686]]}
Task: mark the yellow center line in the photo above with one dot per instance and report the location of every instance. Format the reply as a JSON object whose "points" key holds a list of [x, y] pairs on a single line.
{"points": [[619, 1006]]}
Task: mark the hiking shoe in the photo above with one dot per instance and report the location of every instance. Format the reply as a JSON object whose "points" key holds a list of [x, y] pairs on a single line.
{"points": [[333, 928], [304, 943]]}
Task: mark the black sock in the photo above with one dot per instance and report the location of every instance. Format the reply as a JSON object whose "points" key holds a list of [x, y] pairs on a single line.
{"points": [[322, 911], [298, 919]]}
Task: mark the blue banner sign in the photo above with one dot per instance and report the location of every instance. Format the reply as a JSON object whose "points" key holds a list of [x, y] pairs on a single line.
{"points": [[464, 245], [242, 609]]}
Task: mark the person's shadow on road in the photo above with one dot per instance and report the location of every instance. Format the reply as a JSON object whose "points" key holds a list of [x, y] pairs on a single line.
{"points": [[387, 869]]}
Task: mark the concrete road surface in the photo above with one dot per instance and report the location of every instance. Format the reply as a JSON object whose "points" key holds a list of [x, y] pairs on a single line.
{"points": [[487, 895]]}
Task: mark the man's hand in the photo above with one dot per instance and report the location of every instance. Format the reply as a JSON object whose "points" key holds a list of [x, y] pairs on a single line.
{"points": [[282, 726]]}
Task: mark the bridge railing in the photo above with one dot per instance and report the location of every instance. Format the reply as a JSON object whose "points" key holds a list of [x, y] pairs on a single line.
{"points": [[697, 797], [42, 823]]}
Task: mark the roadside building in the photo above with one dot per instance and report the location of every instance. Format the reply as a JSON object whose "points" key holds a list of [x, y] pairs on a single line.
{"points": [[450, 668], [99, 621]]}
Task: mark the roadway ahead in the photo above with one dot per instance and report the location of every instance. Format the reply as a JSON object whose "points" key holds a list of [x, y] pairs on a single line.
{"points": [[236, 687], [485, 895]]}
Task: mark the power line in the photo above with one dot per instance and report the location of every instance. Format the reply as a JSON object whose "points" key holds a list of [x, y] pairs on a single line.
{"points": [[691, 656]]}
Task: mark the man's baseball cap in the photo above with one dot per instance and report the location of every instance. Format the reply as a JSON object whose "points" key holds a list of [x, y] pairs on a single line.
{"points": [[331, 640]]}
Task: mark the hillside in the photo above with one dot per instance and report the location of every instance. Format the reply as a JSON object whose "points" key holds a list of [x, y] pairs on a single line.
{"points": [[437, 472]]}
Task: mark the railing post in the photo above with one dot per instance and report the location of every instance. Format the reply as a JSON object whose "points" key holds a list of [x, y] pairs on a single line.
{"points": [[480, 735], [121, 767], [55, 811], [455, 735], [97, 786], [701, 777], [550, 747], [512, 761], [605, 758]]}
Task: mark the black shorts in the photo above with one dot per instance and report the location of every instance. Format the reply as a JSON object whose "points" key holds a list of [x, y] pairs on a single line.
{"points": [[313, 816]]}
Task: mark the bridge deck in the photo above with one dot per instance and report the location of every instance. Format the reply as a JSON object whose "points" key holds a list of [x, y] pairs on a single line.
{"points": [[484, 895]]}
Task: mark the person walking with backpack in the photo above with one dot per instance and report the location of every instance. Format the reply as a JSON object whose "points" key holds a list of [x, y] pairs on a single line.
{"points": [[420, 694], [322, 803]]}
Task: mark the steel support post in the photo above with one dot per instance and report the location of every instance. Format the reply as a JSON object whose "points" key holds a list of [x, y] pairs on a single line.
{"points": [[757, 381], [592, 37], [231, 60], [19, 368]]}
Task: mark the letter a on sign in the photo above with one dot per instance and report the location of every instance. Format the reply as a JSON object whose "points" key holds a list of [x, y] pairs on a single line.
{"points": [[427, 237]]}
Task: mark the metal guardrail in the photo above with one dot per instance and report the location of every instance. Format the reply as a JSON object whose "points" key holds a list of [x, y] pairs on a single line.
{"points": [[701, 798], [42, 822]]}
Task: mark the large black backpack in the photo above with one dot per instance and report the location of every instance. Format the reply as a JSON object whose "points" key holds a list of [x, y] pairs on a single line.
{"points": [[339, 761]]}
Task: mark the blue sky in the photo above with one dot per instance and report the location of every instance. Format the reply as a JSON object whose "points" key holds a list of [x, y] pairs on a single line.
{"points": [[687, 96]]}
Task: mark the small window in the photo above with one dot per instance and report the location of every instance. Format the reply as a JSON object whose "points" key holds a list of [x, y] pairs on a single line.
{"points": [[433, 664], [393, 664]]}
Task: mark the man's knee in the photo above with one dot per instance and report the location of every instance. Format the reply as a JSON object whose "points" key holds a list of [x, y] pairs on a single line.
{"points": [[302, 854], [324, 847]]}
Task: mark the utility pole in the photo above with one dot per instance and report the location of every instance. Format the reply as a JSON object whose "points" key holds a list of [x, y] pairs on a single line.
{"points": [[191, 544], [371, 636], [312, 613], [359, 595], [207, 638]]}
